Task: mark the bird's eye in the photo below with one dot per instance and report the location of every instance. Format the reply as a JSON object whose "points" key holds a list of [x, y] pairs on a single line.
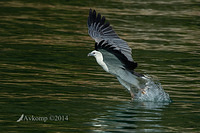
{"points": [[93, 53]]}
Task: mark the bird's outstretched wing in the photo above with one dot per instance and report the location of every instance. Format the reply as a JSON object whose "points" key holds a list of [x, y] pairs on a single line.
{"points": [[100, 30], [113, 57]]}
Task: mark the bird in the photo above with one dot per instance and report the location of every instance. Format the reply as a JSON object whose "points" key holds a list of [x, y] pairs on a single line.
{"points": [[113, 54]]}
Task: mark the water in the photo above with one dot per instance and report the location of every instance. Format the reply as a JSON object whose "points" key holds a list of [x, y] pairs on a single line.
{"points": [[45, 70]]}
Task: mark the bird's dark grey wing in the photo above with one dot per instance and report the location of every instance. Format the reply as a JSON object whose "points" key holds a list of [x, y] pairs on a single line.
{"points": [[113, 57], [99, 30]]}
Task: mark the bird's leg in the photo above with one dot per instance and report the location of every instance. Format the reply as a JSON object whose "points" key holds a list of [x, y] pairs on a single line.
{"points": [[144, 90], [132, 96]]}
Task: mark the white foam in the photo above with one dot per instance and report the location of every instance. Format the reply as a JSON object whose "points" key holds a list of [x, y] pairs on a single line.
{"points": [[153, 92]]}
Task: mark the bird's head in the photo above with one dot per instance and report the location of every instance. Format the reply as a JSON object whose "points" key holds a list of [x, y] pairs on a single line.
{"points": [[94, 53]]}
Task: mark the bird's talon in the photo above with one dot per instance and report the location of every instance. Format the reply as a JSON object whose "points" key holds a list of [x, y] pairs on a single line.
{"points": [[143, 92]]}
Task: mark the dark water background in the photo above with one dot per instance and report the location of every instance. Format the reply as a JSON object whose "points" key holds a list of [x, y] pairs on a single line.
{"points": [[44, 68]]}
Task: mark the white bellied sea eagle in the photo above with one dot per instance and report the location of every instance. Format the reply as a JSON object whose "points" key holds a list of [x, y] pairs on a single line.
{"points": [[113, 54]]}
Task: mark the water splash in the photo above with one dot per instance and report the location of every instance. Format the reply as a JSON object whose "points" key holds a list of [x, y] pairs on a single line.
{"points": [[153, 92]]}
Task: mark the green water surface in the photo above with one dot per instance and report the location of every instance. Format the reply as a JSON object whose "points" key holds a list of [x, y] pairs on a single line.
{"points": [[45, 71]]}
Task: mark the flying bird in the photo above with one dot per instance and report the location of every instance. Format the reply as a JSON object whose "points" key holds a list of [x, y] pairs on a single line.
{"points": [[113, 54]]}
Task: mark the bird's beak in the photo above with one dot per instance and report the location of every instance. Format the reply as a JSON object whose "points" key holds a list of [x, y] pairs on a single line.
{"points": [[90, 54]]}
